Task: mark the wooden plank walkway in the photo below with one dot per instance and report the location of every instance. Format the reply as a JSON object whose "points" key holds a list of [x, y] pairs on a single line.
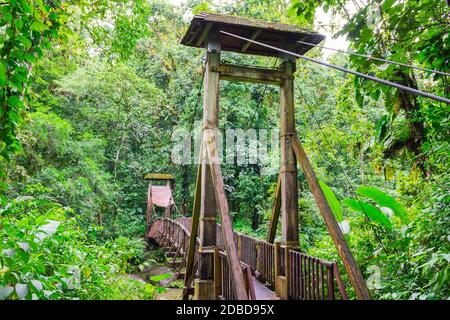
{"points": [[262, 292]]}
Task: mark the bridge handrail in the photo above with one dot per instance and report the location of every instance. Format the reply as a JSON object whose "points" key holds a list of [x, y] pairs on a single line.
{"points": [[311, 277]]}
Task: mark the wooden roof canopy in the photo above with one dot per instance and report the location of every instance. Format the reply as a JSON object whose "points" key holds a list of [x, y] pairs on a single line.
{"points": [[159, 176], [274, 34]]}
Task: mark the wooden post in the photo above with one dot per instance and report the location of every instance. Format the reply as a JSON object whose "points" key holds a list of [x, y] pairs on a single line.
{"points": [[281, 285], [258, 259], [289, 192], [287, 273], [149, 209], [239, 246], [330, 282], [168, 211], [354, 274], [271, 232], [217, 274], [276, 249], [288, 172], [208, 205]]}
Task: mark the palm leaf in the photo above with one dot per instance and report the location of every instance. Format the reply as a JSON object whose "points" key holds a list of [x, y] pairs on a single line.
{"points": [[332, 201], [383, 200], [372, 212]]}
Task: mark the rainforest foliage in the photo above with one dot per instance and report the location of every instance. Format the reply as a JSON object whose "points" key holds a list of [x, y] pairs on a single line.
{"points": [[91, 92]]}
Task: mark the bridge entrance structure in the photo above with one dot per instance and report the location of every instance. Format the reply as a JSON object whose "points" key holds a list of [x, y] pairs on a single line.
{"points": [[206, 237]]}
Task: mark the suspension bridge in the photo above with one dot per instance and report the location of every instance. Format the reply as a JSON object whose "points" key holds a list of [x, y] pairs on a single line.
{"points": [[220, 263]]}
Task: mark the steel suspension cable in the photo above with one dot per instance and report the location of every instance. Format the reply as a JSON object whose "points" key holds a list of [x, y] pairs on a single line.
{"points": [[356, 73], [377, 59]]}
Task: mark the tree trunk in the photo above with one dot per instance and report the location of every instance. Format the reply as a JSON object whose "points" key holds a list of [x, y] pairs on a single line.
{"points": [[411, 106]]}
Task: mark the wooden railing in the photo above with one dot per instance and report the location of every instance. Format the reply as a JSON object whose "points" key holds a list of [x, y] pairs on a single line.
{"points": [[224, 285], [309, 278], [173, 234]]}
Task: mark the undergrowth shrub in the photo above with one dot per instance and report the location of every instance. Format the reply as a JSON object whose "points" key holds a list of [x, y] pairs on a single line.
{"points": [[44, 254]]}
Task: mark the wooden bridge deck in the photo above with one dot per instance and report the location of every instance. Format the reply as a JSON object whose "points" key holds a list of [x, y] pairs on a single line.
{"points": [[262, 292]]}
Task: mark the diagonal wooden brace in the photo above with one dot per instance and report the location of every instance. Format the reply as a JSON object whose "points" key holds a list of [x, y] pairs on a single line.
{"points": [[275, 213], [354, 274], [189, 274], [227, 230]]}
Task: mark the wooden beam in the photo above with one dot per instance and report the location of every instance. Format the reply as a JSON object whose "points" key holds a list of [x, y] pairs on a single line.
{"points": [[227, 229], [191, 37], [275, 213], [191, 32], [254, 35], [340, 283], [159, 176], [189, 273], [354, 274], [204, 34], [248, 277], [248, 74]]}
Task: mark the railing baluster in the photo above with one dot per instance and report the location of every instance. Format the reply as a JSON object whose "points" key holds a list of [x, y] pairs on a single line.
{"points": [[297, 278], [330, 283], [318, 279], [313, 282], [302, 279], [322, 285], [309, 279]]}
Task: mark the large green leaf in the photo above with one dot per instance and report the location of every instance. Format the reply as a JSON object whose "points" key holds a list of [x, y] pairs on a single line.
{"points": [[387, 4], [372, 212], [332, 201], [383, 200]]}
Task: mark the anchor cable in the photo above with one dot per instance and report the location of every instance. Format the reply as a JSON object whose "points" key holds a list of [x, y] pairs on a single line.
{"points": [[377, 59], [356, 73]]}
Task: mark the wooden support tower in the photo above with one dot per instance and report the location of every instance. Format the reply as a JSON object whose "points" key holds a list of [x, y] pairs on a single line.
{"points": [[204, 287], [210, 199]]}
